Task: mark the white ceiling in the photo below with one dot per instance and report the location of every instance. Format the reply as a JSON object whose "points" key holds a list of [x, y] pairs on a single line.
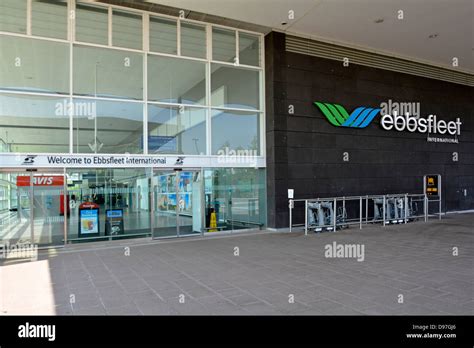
{"points": [[352, 23]]}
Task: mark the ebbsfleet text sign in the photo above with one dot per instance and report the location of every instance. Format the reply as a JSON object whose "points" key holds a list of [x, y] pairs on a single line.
{"points": [[10, 160]]}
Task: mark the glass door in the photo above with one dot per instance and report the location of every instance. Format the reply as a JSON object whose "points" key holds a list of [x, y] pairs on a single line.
{"points": [[15, 208], [50, 208], [165, 204], [177, 203], [190, 203], [32, 208]]}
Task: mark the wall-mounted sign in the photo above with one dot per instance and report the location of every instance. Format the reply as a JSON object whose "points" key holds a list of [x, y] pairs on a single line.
{"points": [[410, 121], [10, 160], [40, 180]]}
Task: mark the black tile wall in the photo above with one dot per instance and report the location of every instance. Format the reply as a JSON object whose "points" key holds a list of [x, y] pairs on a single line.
{"points": [[305, 152]]}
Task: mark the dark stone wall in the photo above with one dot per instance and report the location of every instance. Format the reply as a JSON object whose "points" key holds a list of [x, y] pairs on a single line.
{"points": [[305, 152]]}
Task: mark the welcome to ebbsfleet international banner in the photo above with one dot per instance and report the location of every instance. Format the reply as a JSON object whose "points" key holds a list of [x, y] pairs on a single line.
{"points": [[11, 160]]}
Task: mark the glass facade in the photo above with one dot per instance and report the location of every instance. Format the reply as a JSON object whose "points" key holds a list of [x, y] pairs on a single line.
{"points": [[106, 80]]}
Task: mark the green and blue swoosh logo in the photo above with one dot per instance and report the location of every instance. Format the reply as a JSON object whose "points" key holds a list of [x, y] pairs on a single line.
{"points": [[339, 117]]}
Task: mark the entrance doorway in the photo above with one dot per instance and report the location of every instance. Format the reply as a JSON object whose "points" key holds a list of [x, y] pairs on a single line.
{"points": [[177, 203], [33, 208]]}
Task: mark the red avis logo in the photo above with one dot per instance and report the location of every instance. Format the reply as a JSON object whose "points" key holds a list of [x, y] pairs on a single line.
{"points": [[40, 180]]}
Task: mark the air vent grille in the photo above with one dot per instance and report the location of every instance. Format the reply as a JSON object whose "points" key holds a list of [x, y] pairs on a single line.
{"points": [[335, 52]]}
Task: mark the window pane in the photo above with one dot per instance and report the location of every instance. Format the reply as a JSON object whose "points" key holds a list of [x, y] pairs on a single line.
{"points": [[249, 49], [49, 18], [123, 189], [91, 24], [234, 87], [34, 65], [118, 125], [238, 193], [176, 80], [163, 35], [235, 130], [127, 30], [193, 40], [223, 45], [13, 16], [172, 131], [32, 124], [107, 73]]}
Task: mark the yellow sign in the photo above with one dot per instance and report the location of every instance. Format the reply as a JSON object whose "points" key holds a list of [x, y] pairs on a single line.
{"points": [[213, 223]]}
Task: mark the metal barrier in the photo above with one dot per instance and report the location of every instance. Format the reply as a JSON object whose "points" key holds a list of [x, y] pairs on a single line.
{"points": [[333, 213]]}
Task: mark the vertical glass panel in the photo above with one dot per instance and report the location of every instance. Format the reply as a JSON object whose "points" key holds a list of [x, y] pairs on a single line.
{"points": [[193, 40], [34, 65], [108, 73], [49, 18], [108, 204], [15, 217], [248, 208], [166, 204], [223, 45], [107, 127], [34, 124], [249, 49], [235, 88], [176, 131], [127, 30], [235, 133], [163, 35], [236, 196], [176, 80], [92, 24], [49, 208], [13, 16], [190, 203]]}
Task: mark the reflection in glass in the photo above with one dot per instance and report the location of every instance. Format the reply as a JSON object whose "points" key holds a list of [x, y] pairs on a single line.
{"points": [[107, 126], [223, 45], [235, 131], [127, 30], [175, 80], [49, 18], [34, 65], [249, 49], [92, 24], [163, 35], [108, 73], [120, 194], [34, 124], [13, 16], [193, 40], [234, 87], [171, 131], [237, 197]]}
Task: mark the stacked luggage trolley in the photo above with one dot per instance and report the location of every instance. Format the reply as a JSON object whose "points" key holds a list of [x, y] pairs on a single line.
{"points": [[335, 213]]}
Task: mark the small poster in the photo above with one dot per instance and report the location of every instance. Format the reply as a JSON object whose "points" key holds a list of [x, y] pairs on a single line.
{"points": [[114, 222], [89, 221]]}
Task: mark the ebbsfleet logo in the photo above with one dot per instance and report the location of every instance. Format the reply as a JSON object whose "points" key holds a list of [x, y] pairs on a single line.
{"points": [[409, 121], [339, 117]]}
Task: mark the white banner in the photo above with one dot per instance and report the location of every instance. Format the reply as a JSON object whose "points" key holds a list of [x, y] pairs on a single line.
{"points": [[10, 160]]}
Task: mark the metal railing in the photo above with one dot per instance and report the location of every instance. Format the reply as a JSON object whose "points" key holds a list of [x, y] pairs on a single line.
{"points": [[333, 213]]}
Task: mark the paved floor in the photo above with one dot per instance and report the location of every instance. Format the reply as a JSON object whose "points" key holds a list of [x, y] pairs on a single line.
{"points": [[407, 269]]}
